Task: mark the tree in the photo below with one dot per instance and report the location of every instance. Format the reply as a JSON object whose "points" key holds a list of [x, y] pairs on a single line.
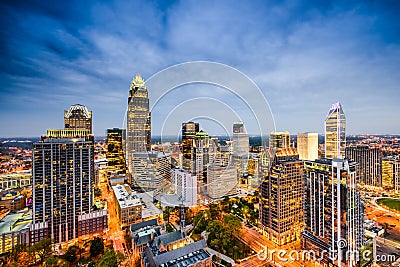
{"points": [[71, 254], [110, 259], [96, 247], [42, 249], [167, 213], [97, 192], [17, 250], [54, 262]]}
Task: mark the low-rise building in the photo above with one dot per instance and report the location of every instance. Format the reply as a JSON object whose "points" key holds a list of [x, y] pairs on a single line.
{"points": [[129, 206], [14, 230]]}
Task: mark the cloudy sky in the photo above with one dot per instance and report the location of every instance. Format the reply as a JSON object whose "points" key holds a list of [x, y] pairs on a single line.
{"points": [[303, 55]]}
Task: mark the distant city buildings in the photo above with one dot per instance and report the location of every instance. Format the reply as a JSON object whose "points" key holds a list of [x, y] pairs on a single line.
{"points": [[279, 140], [138, 120], [369, 167], [333, 211], [396, 175], [116, 162], [335, 132], [281, 198], [240, 152], [200, 155], [78, 117], [307, 146]]}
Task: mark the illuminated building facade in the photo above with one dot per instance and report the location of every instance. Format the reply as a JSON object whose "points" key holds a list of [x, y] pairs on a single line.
{"points": [[78, 117], [396, 175], [116, 162], [189, 131], [334, 211], [387, 173], [151, 170], [335, 132], [281, 208], [279, 140], [369, 161], [129, 205], [138, 120], [62, 181], [200, 155], [240, 152], [221, 181], [307, 146]]}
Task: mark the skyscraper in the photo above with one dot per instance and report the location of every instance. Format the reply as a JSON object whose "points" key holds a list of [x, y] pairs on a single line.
{"points": [[281, 209], [279, 140], [138, 120], [307, 146], [396, 175], [62, 186], [240, 152], [189, 131], [115, 151], [78, 117], [369, 161], [335, 132], [185, 186], [333, 211], [200, 156]]}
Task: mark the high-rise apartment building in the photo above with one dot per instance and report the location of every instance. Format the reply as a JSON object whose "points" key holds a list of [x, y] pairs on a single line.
{"points": [[369, 167], [189, 131], [279, 140], [307, 146], [185, 187], [116, 151], [387, 173], [221, 181], [62, 186], [200, 155], [281, 199], [396, 174], [334, 212], [78, 117], [151, 170], [335, 132], [240, 151], [138, 120]]}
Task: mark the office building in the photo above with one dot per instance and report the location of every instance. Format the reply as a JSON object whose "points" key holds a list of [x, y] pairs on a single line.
{"points": [[396, 174], [281, 199], [240, 151], [369, 167], [334, 212], [221, 181], [116, 163], [151, 170], [279, 140], [200, 155], [78, 117], [335, 132], [138, 120], [62, 181], [307, 146], [189, 131], [387, 173], [129, 205], [185, 187]]}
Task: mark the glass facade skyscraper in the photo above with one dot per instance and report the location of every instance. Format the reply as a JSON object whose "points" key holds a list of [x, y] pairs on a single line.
{"points": [[138, 120], [116, 162], [189, 131], [78, 117], [335, 132]]}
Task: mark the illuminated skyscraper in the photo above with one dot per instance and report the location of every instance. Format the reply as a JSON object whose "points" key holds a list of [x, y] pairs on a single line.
{"points": [[200, 156], [307, 146], [189, 131], [115, 151], [138, 120], [240, 152], [279, 140], [369, 161], [78, 117], [335, 132], [334, 212], [62, 187], [281, 209]]}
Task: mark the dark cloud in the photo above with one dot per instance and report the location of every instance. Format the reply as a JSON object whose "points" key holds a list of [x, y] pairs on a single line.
{"points": [[304, 55]]}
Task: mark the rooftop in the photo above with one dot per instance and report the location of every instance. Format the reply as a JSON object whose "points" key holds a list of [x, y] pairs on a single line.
{"points": [[17, 221], [125, 197]]}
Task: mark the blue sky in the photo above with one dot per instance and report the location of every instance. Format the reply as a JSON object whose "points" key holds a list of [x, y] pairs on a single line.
{"points": [[304, 56]]}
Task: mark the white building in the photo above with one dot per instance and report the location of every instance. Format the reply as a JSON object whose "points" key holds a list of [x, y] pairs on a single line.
{"points": [[221, 181], [185, 186], [307, 146]]}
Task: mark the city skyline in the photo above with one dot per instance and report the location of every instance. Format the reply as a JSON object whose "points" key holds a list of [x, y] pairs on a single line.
{"points": [[304, 57]]}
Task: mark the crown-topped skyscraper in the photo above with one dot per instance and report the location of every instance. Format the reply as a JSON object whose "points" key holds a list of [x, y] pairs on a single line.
{"points": [[335, 132], [138, 120]]}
